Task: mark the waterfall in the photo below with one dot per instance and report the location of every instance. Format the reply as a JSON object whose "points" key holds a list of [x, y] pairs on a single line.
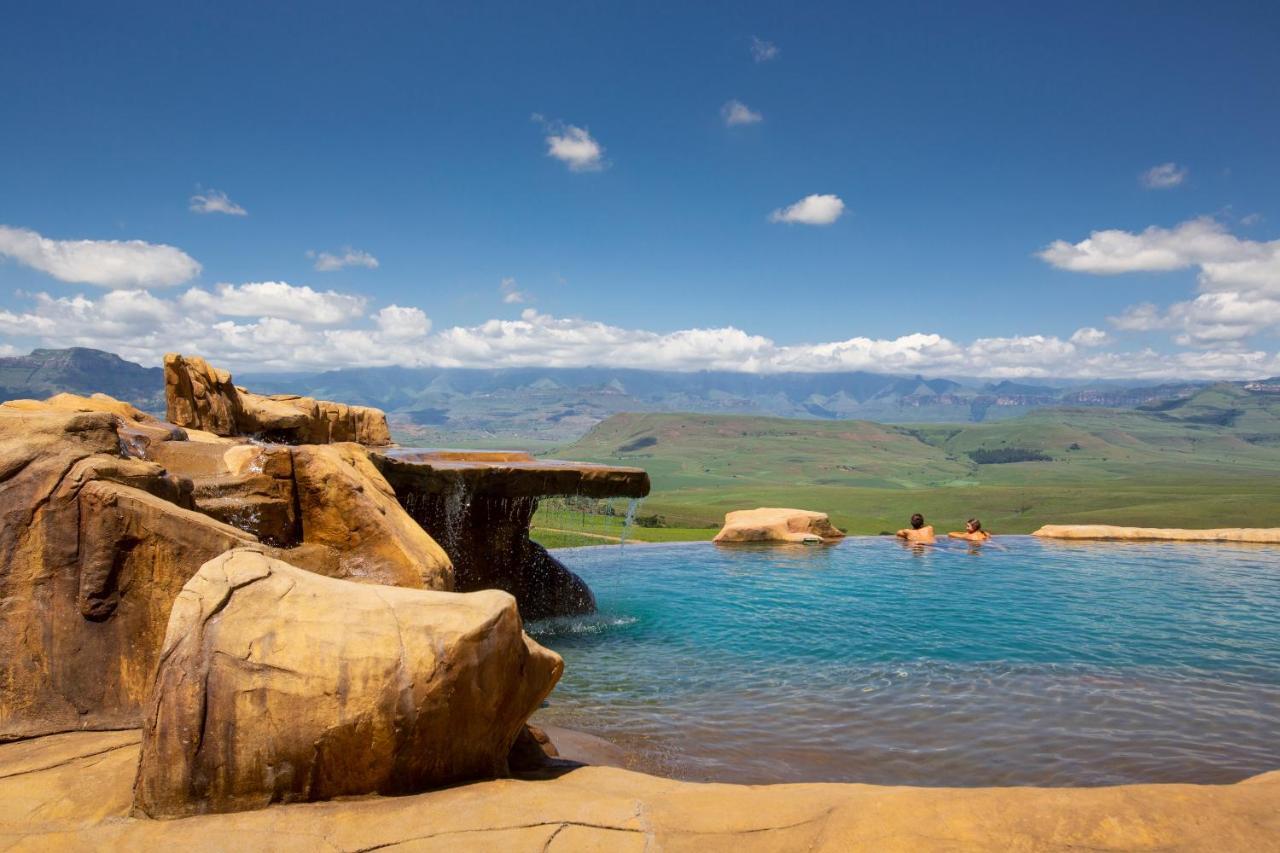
{"points": [[456, 503], [632, 506]]}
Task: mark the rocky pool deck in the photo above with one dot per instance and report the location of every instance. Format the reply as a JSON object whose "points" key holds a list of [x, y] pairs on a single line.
{"points": [[74, 792]]}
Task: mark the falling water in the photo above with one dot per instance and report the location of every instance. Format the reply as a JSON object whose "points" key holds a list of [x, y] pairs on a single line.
{"points": [[132, 444], [632, 506], [456, 503]]}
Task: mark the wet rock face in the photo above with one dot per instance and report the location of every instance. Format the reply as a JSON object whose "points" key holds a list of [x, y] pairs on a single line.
{"points": [[487, 538], [94, 546], [278, 685], [203, 397], [479, 507]]}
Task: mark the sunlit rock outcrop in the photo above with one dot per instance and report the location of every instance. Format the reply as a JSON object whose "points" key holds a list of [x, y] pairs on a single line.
{"points": [[348, 507], [278, 685], [108, 511], [775, 524], [204, 397], [94, 547]]}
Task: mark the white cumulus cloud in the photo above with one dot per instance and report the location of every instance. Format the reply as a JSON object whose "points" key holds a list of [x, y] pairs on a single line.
{"points": [[1238, 280], [1090, 337], [735, 112], [763, 51], [510, 293], [1144, 317], [347, 257], [811, 210], [1163, 177], [1156, 249], [215, 201], [399, 323], [276, 299], [105, 263], [572, 145]]}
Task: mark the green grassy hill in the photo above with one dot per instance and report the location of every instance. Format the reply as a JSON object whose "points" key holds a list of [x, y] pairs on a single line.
{"points": [[1209, 460]]}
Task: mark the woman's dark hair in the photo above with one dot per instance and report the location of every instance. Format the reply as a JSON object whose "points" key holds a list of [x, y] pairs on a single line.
{"points": [[917, 521], [977, 525]]}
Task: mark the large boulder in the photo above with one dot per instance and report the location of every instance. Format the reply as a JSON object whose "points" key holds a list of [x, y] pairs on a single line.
{"points": [[200, 396], [94, 547], [774, 524], [279, 685]]}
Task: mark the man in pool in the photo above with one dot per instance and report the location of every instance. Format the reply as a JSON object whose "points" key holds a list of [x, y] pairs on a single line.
{"points": [[973, 532], [918, 532]]}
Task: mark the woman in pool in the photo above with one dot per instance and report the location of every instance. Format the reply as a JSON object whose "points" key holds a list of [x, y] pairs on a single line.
{"points": [[973, 532], [919, 532]]}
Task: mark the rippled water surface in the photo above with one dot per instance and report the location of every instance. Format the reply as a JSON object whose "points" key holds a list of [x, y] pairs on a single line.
{"points": [[1018, 662]]}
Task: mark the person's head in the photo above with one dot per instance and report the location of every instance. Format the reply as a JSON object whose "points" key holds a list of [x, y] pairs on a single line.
{"points": [[917, 521], [973, 525]]}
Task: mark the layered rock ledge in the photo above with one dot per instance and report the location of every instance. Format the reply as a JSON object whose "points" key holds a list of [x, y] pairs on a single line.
{"points": [[1258, 535], [73, 792], [776, 524]]}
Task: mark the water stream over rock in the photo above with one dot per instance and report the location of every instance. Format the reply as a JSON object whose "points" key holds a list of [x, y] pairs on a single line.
{"points": [[479, 504]]}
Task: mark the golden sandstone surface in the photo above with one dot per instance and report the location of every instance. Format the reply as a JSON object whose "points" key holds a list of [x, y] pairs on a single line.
{"points": [[776, 524], [1260, 535], [73, 792]]}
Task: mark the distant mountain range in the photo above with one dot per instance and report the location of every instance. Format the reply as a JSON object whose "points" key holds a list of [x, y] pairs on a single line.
{"points": [[81, 371], [559, 404]]}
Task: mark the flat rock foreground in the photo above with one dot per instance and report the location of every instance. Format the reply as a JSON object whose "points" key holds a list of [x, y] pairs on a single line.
{"points": [[74, 792]]}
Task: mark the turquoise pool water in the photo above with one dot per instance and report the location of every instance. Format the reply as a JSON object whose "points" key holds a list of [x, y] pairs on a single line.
{"points": [[1018, 662]]}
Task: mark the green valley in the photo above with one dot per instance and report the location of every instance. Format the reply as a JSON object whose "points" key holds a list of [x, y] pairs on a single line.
{"points": [[1211, 459]]}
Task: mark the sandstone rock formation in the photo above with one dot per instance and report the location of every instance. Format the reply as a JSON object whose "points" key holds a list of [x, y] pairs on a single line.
{"points": [[72, 792], [1261, 535], [278, 685], [327, 503], [108, 511], [94, 546], [348, 506], [770, 524], [479, 506], [204, 397]]}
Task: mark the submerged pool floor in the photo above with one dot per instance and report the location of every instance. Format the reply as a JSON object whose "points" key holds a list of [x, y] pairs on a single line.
{"points": [[1020, 662]]}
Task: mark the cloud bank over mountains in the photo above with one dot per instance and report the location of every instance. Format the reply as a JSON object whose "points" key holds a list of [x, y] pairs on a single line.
{"points": [[277, 325], [311, 334]]}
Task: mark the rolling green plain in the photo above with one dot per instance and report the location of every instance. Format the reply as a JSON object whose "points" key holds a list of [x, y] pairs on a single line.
{"points": [[1211, 460]]}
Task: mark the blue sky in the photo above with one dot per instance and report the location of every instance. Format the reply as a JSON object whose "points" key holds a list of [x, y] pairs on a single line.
{"points": [[960, 140]]}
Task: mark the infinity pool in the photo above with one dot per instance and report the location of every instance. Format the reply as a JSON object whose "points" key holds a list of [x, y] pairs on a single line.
{"points": [[1020, 662]]}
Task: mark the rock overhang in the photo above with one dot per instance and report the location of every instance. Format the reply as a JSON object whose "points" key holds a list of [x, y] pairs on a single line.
{"points": [[506, 474]]}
